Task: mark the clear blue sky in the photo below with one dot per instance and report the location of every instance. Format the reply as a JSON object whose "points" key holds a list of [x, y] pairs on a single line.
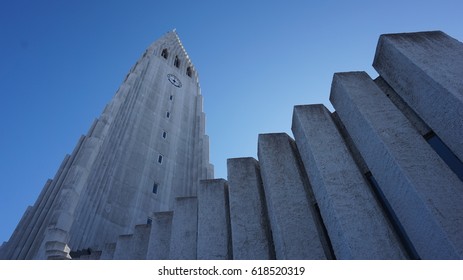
{"points": [[62, 61]]}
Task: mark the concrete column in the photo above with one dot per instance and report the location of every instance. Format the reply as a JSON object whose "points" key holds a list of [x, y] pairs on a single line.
{"points": [[31, 236], [141, 237], [73, 185], [425, 69], [108, 251], [252, 239], [124, 246], [184, 229], [423, 192], [346, 202], [412, 117], [214, 240], [159, 244], [294, 230]]}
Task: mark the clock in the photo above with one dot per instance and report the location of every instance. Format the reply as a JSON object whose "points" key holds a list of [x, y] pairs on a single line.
{"points": [[174, 80]]}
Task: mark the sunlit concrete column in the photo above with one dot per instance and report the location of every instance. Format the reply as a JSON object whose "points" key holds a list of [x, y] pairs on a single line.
{"points": [[423, 192], [161, 228], [184, 229], [346, 203], [294, 230], [214, 238], [252, 239], [66, 201], [425, 69]]}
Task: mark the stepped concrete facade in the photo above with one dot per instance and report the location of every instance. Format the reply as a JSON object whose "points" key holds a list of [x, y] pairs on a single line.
{"points": [[381, 177], [147, 148]]}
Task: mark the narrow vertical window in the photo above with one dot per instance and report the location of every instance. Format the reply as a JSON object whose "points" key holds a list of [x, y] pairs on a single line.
{"points": [[149, 221], [164, 53], [164, 134], [177, 62], [155, 187], [168, 115], [188, 71], [171, 97], [160, 159]]}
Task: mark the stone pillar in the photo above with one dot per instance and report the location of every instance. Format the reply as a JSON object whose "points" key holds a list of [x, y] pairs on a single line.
{"points": [[61, 220], [252, 239], [425, 69], [423, 192], [294, 230], [412, 117], [31, 236], [123, 247], [141, 237], [184, 229], [214, 240], [346, 203], [108, 251], [161, 228]]}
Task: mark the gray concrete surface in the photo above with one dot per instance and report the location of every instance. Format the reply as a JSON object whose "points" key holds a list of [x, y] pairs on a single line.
{"points": [[425, 69], [346, 203], [159, 245], [294, 230], [252, 239], [214, 234], [424, 193], [183, 242]]}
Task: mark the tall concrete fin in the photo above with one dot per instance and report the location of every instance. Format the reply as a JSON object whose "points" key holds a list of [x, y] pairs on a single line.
{"points": [[252, 239], [294, 230], [426, 70], [25, 220], [141, 237], [398, 101], [184, 229], [423, 192], [161, 228], [124, 247], [108, 251], [346, 203], [214, 238], [29, 236], [73, 185]]}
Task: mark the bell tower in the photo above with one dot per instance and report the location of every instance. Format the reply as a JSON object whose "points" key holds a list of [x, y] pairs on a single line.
{"points": [[148, 147]]}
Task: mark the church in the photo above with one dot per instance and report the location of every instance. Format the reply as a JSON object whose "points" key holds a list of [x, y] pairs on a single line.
{"points": [[381, 177]]}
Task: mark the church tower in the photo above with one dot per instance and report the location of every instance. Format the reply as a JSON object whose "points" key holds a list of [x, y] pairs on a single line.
{"points": [[148, 147]]}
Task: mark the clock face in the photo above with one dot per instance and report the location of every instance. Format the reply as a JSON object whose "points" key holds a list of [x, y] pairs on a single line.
{"points": [[174, 80]]}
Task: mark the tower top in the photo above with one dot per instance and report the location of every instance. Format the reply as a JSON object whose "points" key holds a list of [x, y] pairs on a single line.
{"points": [[171, 48]]}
